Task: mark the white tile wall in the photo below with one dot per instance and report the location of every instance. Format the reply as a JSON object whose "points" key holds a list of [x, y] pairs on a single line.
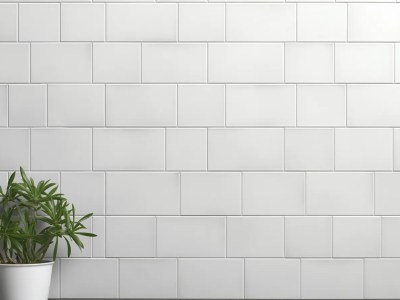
{"points": [[201, 22], [309, 63], [27, 105], [373, 105], [191, 236], [143, 193], [356, 236], [272, 278], [364, 63], [9, 22], [273, 193], [321, 105], [260, 105], [39, 22], [309, 149], [261, 22], [82, 22], [141, 105], [211, 278], [116, 63], [322, 22], [308, 236], [332, 279], [210, 194], [245, 63], [255, 236], [228, 148], [61, 63], [14, 63], [76, 105], [245, 149], [374, 22]]}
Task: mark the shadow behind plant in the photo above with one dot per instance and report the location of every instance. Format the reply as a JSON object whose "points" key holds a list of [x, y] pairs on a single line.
{"points": [[32, 218]]}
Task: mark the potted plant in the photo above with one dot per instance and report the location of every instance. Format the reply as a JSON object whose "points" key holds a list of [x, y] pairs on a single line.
{"points": [[33, 218]]}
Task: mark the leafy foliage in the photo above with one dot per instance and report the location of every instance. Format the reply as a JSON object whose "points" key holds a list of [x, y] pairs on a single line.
{"points": [[32, 218]]}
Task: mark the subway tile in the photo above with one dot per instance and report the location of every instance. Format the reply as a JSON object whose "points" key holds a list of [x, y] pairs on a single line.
{"points": [[374, 22], [201, 105], [186, 149], [14, 63], [273, 193], [261, 22], [396, 163], [86, 190], [139, 236], [3, 105], [80, 278], [364, 63], [15, 149], [333, 279], [174, 63], [143, 193], [61, 63], [99, 242], [116, 63], [387, 193], [141, 105], [61, 149], [309, 149], [39, 22], [211, 278], [390, 238], [210, 193], [128, 149], [322, 22], [27, 105], [272, 279], [245, 63], [397, 63], [148, 278], [201, 22], [255, 236], [373, 105], [82, 22], [8, 22], [201, 237], [309, 63], [381, 278], [321, 105], [76, 105], [245, 149], [142, 22], [260, 105], [364, 149], [308, 236], [356, 236], [339, 194]]}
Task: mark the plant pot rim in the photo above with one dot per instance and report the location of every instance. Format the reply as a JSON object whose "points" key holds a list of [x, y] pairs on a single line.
{"points": [[43, 263]]}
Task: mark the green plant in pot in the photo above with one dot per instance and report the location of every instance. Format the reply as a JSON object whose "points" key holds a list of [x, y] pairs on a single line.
{"points": [[33, 220]]}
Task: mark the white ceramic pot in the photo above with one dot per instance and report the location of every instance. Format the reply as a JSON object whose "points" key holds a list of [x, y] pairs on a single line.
{"points": [[25, 282]]}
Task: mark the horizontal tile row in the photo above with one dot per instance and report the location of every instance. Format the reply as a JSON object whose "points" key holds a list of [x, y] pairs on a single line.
{"points": [[199, 63], [149, 105], [214, 236], [227, 278], [200, 22], [148, 193], [256, 149]]}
